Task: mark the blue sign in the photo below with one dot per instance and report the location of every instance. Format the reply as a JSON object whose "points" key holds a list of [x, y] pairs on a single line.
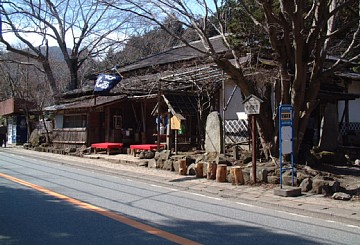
{"points": [[286, 133], [286, 115]]}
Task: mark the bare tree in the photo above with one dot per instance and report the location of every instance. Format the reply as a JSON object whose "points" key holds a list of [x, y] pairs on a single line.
{"points": [[82, 29], [27, 85], [302, 34]]}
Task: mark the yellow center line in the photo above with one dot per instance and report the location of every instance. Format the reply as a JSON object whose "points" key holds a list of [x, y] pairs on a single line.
{"points": [[147, 228]]}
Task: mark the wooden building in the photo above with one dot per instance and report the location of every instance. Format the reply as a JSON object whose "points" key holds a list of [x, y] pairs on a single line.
{"points": [[13, 111], [182, 81]]}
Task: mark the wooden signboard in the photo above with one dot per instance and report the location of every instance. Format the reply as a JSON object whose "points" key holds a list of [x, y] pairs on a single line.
{"points": [[175, 121]]}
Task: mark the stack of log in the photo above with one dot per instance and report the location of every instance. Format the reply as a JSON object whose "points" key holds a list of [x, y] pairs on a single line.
{"points": [[214, 171]]}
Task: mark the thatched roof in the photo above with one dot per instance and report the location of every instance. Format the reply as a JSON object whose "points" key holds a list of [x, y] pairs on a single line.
{"points": [[179, 69], [175, 55]]}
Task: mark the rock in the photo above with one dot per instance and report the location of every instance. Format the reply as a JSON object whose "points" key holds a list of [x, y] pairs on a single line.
{"points": [[306, 185], [301, 176], [246, 175], [341, 196], [287, 180], [320, 186], [26, 146], [191, 169], [261, 175], [143, 164], [357, 162], [83, 150], [149, 154], [211, 157], [273, 179], [70, 149], [152, 163], [336, 187], [34, 138], [247, 160], [141, 155], [168, 165], [165, 155], [311, 171]]}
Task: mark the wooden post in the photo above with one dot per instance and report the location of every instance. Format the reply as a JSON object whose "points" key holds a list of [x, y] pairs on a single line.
{"points": [[221, 172], [182, 167], [158, 115], [199, 170], [168, 131], [211, 171], [176, 141], [237, 177], [254, 147], [235, 152]]}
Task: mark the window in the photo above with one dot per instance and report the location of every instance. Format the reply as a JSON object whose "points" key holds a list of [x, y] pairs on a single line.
{"points": [[75, 121], [117, 122]]}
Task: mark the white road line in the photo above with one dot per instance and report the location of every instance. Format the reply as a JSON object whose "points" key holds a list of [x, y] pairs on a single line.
{"points": [[245, 204], [353, 226], [166, 188], [330, 221], [294, 214], [201, 195]]}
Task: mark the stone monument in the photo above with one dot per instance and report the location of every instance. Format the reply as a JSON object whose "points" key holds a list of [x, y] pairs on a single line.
{"points": [[213, 133]]}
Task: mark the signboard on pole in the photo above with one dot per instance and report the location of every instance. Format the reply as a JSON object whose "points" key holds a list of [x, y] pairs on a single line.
{"points": [[286, 129], [286, 137], [252, 105]]}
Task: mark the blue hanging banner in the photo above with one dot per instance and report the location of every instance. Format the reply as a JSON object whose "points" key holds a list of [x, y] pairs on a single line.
{"points": [[104, 83]]}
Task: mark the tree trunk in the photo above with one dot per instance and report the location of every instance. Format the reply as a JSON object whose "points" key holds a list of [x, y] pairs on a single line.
{"points": [[199, 170], [237, 177], [51, 79], [211, 171], [73, 68], [221, 172], [182, 167]]}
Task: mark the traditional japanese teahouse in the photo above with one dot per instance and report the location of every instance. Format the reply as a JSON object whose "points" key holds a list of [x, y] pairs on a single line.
{"points": [[179, 82]]}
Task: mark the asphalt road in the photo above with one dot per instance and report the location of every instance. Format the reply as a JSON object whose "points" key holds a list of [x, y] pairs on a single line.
{"points": [[44, 202]]}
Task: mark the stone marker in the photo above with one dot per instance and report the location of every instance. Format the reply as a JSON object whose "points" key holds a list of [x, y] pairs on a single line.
{"points": [[213, 133]]}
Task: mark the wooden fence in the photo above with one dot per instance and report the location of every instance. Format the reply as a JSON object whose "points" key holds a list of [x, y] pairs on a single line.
{"points": [[69, 137]]}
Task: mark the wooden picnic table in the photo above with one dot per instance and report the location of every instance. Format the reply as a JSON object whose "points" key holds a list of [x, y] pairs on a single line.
{"points": [[108, 146]]}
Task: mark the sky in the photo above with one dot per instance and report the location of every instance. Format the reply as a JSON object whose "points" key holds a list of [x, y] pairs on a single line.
{"points": [[37, 40]]}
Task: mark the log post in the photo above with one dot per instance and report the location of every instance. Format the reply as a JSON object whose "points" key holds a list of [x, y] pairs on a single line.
{"points": [[199, 170], [182, 167], [221, 172], [211, 170], [237, 177], [235, 152]]}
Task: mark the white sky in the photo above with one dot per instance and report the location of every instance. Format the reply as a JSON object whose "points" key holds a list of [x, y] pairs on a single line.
{"points": [[37, 40]]}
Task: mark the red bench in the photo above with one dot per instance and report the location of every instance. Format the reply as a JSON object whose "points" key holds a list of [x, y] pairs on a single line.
{"points": [[144, 147], [107, 146]]}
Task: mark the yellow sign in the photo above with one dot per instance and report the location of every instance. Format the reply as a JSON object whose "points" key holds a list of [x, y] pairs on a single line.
{"points": [[175, 123]]}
